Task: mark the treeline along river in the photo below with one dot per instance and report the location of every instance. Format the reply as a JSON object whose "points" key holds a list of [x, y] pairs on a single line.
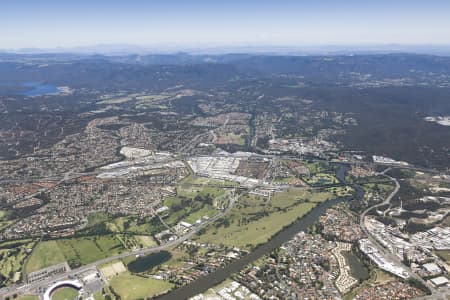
{"points": [[204, 283]]}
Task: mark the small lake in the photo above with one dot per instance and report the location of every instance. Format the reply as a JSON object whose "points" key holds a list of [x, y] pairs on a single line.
{"points": [[203, 283], [357, 268], [29, 88], [148, 262], [38, 89]]}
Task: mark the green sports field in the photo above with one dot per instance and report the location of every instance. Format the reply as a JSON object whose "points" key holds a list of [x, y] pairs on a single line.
{"points": [[130, 286], [65, 293]]}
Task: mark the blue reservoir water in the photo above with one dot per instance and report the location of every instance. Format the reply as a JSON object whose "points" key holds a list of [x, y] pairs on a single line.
{"points": [[38, 89], [148, 262]]}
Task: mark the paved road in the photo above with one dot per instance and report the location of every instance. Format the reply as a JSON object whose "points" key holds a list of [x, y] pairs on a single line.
{"points": [[385, 201], [442, 294], [144, 251], [380, 248]]}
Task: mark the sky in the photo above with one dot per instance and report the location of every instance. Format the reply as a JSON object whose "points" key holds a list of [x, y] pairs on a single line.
{"points": [[210, 23]]}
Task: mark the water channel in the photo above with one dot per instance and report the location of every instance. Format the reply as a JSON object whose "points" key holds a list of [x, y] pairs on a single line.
{"points": [[357, 268], [148, 262], [204, 283]]}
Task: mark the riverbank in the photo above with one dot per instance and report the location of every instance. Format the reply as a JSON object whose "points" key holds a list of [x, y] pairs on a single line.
{"points": [[204, 283], [302, 224]]}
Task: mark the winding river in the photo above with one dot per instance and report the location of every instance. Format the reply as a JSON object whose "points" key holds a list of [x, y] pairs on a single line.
{"points": [[204, 283]]}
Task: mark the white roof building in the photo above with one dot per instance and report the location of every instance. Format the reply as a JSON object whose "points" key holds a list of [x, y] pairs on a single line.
{"points": [[439, 281], [432, 268]]}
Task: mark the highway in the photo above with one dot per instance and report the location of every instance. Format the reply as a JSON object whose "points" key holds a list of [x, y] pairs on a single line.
{"points": [[233, 198], [380, 248], [24, 288], [385, 201]]}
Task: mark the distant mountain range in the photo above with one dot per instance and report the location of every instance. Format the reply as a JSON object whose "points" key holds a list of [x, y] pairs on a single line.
{"points": [[123, 49], [137, 71]]}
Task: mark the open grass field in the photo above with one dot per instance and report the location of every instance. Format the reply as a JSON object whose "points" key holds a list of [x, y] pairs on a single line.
{"points": [[196, 197], [4, 219], [130, 286], [27, 297], [65, 293], [146, 241], [198, 180], [117, 224], [143, 106], [97, 218], [187, 210], [192, 191], [81, 251], [45, 254], [3, 215], [231, 138], [201, 182], [318, 167], [100, 296], [255, 219], [153, 97], [320, 179], [297, 195], [254, 232], [382, 277], [444, 255], [205, 211], [118, 100], [193, 202], [113, 269], [284, 180], [178, 258]]}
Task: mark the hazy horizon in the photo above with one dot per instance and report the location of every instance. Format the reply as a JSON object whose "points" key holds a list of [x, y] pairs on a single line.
{"points": [[53, 24], [128, 49]]}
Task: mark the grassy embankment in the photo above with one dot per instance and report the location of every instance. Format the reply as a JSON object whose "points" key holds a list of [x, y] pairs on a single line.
{"points": [[255, 219]]}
